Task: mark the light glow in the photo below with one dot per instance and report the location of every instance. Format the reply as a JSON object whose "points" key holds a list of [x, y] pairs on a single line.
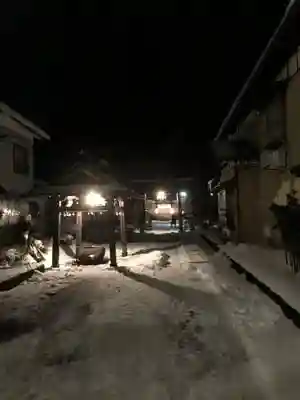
{"points": [[94, 199], [164, 208], [161, 195], [70, 200], [69, 214], [7, 212]]}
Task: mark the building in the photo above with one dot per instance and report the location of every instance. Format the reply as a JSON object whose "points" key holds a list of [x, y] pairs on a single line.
{"points": [[17, 137], [82, 178], [258, 144], [163, 209]]}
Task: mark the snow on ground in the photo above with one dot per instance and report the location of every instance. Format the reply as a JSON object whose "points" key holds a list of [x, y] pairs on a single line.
{"points": [[189, 330], [271, 341], [67, 253]]}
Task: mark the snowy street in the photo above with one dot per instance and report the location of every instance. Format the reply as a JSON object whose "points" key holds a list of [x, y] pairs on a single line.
{"points": [[190, 329]]}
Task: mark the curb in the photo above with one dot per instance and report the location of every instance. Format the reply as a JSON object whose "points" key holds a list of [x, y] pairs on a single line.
{"points": [[213, 244], [289, 311]]}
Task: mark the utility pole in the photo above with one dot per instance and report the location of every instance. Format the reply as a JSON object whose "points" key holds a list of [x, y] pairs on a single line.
{"points": [[146, 211], [56, 231], [78, 234], [238, 206], [112, 238], [123, 228], [142, 216], [179, 212]]}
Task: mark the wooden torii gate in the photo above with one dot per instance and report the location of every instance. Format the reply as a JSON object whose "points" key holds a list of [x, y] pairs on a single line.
{"points": [[112, 204]]}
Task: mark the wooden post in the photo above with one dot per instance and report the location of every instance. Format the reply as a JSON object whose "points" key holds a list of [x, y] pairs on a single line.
{"points": [[142, 215], [56, 232], [147, 219], [179, 212], [78, 234], [112, 238], [123, 228]]}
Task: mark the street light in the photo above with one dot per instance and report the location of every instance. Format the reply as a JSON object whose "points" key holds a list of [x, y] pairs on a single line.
{"points": [[161, 195], [183, 194], [94, 199], [69, 201]]}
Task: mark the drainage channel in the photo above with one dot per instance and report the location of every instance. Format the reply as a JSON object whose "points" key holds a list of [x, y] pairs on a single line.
{"points": [[15, 281], [288, 311]]}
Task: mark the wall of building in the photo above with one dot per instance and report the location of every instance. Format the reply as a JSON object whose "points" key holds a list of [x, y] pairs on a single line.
{"points": [[222, 207], [256, 192], [9, 180], [248, 202], [258, 185], [249, 229], [270, 183], [275, 120], [253, 128], [231, 211], [293, 120], [276, 132], [10, 211]]}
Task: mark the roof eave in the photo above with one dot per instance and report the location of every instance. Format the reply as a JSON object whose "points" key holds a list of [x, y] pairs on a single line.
{"points": [[289, 13], [36, 132]]}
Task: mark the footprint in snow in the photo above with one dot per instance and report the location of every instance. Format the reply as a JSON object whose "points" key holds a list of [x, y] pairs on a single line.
{"points": [[51, 294]]}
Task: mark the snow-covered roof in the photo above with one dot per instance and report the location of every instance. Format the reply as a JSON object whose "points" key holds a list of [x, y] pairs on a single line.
{"points": [[37, 132]]}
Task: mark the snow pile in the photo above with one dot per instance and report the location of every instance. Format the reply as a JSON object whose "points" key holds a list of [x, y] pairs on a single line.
{"points": [[21, 255], [9, 256], [161, 261], [15, 257], [67, 239], [153, 260]]}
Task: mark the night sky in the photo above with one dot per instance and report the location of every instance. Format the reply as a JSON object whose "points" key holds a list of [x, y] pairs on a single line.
{"points": [[145, 82]]}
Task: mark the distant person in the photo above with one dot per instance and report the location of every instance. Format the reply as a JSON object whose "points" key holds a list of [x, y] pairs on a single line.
{"points": [[186, 222], [173, 221], [142, 221]]}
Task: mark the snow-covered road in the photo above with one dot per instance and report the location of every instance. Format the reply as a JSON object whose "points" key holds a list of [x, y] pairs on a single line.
{"points": [[193, 330]]}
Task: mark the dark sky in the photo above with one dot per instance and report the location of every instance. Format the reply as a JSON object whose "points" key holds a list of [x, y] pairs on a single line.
{"points": [[147, 80]]}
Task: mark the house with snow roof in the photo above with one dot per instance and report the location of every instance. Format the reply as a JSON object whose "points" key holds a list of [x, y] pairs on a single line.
{"points": [[258, 144]]}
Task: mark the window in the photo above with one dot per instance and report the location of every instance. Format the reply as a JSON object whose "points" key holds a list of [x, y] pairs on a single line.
{"points": [[20, 159]]}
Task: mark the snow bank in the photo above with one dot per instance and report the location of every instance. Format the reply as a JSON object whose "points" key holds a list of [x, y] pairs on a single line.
{"points": [[269, 267], [154, 260]]}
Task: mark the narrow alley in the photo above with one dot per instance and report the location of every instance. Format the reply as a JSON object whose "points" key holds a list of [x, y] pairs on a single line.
{"points": [[150, 200]]}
